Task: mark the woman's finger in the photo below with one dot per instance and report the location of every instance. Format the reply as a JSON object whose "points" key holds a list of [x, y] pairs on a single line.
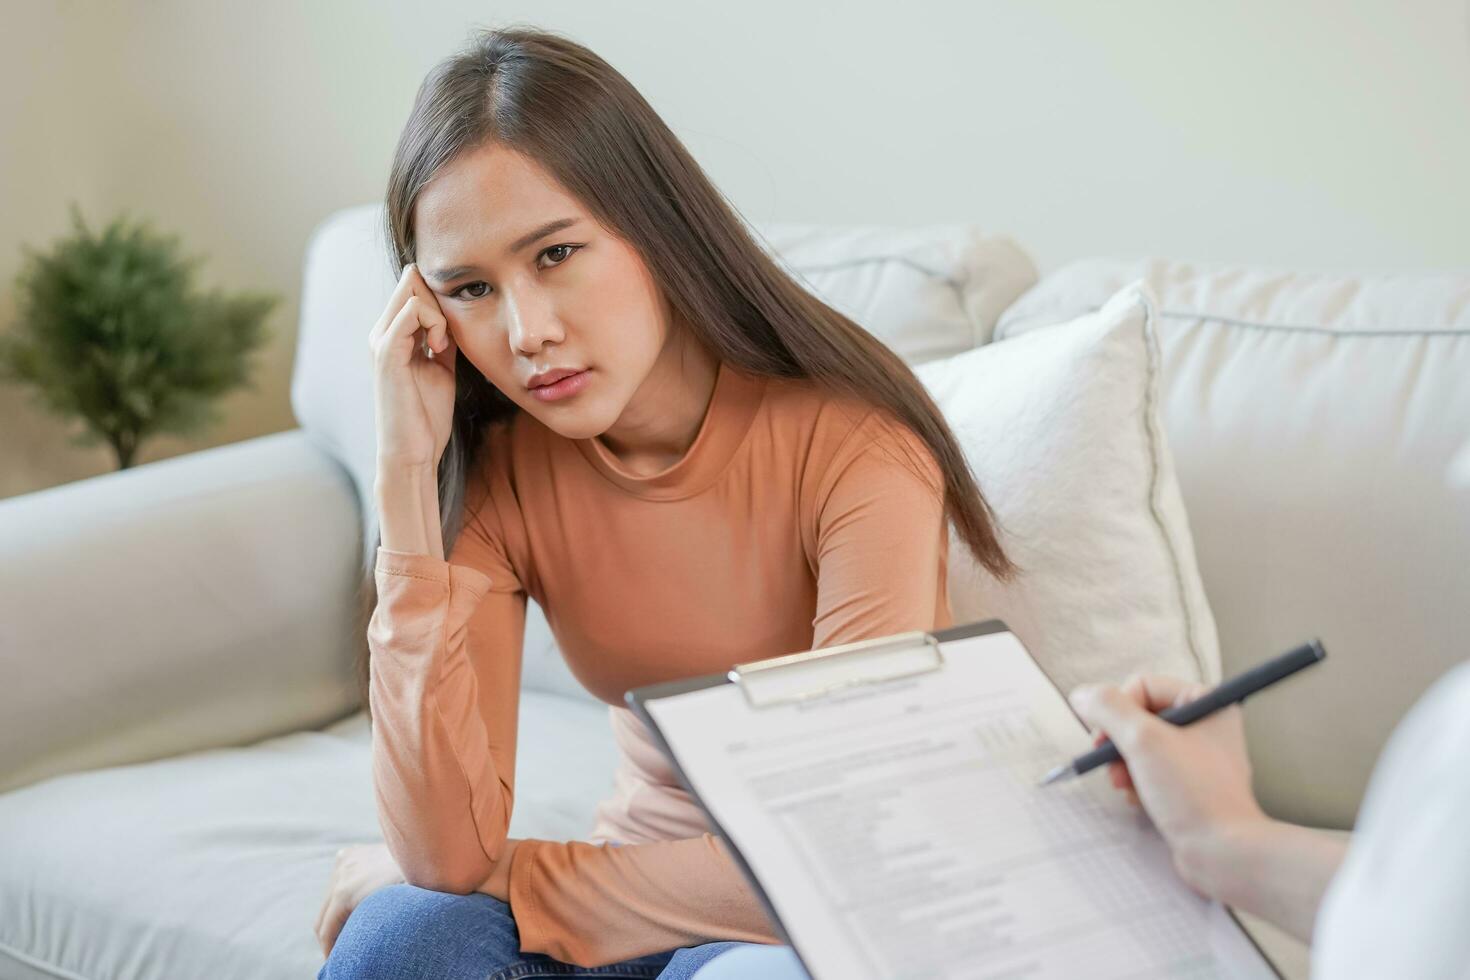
{"points": [[340, 914], [400, 294], [331, 891], [1156, 692], [449, 349], [405, 328], [1190, 692], [321, 922], [432, 316]]}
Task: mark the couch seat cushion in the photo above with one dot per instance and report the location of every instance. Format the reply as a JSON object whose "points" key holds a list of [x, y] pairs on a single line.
{"points": [[214, 864]]}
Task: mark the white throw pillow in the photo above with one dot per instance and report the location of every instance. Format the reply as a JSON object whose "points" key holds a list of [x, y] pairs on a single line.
{"points": [[927, 292], [1062, 430], [1315, 417], [1460, 469]]}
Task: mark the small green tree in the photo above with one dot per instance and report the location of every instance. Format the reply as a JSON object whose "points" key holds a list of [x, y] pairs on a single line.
{"points": [[110, 330]]}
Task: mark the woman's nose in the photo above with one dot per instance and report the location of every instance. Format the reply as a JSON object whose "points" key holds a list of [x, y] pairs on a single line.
{"points": [[530, 324]]}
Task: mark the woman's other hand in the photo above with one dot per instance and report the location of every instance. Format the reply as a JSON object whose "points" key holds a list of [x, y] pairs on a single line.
{"points": [[361, 869], [413, 392], [1194, 781]]}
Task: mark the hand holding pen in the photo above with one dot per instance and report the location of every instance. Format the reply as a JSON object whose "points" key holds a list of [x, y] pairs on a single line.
{"points": [[1194, 781], [1201, 703]]}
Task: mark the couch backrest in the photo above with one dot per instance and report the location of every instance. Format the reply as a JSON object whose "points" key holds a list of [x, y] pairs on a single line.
{"points": [[927, 292], [1313, 420]]}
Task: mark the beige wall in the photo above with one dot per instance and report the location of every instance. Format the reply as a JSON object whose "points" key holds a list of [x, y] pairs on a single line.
{"points": [[1283, 132]]}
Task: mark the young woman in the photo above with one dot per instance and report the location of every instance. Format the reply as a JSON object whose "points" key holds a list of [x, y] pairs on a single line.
{"points": [[594, 388]]}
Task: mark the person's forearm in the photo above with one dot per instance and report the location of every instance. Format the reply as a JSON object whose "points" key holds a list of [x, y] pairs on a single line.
{"points": [[408, 510], [596, 904], [445, 679], [1272, 869]]}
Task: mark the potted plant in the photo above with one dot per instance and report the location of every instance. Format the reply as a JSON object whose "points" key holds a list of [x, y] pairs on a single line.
{"points": [[110, 330]]}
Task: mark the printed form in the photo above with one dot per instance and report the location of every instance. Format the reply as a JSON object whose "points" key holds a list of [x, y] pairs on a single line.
{"points": [[898, 830]]}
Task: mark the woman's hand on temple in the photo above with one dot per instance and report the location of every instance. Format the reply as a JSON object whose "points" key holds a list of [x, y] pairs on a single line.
{"points": [[1194, 781], [413, 392]]}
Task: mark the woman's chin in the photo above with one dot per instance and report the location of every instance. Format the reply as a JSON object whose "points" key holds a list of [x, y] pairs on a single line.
{"points": [[580, 422]]}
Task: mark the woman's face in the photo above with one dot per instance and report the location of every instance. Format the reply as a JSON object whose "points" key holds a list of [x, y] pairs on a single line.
{"points": [[523, 297]]}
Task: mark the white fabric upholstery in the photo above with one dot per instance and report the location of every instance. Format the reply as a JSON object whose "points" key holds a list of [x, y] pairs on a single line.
{"points": [[927, 292], [1061, 429], [199, 601], [214, 864], [1313, 419], [1460, 469]]}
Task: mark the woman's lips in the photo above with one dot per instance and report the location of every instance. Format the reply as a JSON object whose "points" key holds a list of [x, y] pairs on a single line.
{"points": [[565, 388]]}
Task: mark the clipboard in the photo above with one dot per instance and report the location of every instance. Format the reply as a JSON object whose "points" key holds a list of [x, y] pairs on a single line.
{"points": [[814, 675]]}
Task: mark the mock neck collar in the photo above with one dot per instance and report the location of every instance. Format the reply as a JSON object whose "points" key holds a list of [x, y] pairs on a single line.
{"points": [[732, 406]]}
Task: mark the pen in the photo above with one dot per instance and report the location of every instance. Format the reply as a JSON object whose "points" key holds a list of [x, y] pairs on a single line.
{"points": [[1233, 691]]}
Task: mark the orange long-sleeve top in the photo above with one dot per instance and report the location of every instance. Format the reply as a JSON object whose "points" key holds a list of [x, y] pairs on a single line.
{"points": [[797, 519]]}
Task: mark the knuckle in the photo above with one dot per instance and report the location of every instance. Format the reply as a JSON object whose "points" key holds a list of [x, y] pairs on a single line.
{"points": [[1143, 738]]}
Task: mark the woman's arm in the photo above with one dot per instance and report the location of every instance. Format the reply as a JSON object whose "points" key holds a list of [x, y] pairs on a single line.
{"points": [[445, 647], [407, 499], [881, 537], [1276, 870], [1195, 783], [593, 904]]}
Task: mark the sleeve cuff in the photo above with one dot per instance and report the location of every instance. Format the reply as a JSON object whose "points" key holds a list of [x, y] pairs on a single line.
{"points": [[522, 902], [412, 564], [421, 566]]}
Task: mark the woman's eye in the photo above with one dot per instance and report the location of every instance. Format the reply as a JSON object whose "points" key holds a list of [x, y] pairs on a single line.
{"points": [[564, 251], [567, 249], [461, 289]]}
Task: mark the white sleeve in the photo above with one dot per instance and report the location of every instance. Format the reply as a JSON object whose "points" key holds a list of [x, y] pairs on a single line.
{"points": [[1400, 904]]}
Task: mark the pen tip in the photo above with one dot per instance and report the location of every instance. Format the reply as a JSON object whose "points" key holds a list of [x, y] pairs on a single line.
{"points": [[1058, 773]]}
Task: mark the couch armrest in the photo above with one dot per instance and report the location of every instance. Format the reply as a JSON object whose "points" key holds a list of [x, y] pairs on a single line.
{"points": [[201, 601]]}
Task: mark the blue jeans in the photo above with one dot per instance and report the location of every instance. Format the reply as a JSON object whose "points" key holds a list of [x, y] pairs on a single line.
{"points": [[403, 932], [754, 961]]}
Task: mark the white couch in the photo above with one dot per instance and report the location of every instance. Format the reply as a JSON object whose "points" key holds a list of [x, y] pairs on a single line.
{"points": [[181, 751]]}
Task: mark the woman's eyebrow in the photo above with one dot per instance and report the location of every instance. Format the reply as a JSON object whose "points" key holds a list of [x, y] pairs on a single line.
{"points": [[530, 238], [451, 273]]}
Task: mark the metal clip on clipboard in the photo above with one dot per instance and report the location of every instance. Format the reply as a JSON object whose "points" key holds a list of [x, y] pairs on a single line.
{"points": [[815, 673]]}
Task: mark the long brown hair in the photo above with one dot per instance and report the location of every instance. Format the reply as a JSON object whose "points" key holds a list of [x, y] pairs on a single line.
{"points": [[555, 102]]}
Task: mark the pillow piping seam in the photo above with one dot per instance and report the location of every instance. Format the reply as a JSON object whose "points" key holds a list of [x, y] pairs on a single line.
{"points": [[35, 962], [1004, 330], [956, 285], [1151, 433]]}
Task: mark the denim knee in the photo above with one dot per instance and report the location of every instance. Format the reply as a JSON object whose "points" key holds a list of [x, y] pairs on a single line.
{"points": [[753, 960], [405, 932]]}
